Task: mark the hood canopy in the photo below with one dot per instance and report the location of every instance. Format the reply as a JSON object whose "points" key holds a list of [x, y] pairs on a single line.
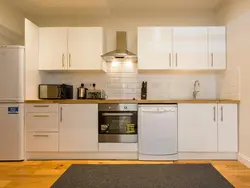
{"points": [[121, 51]]}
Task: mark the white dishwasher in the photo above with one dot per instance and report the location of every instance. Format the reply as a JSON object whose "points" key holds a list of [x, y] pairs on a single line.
{"points": [[157, 131]]}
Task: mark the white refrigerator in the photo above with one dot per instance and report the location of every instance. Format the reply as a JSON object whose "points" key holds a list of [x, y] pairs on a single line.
{"points": [[11, 103]]}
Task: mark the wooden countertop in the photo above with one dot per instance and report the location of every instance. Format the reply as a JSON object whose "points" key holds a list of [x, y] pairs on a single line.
{"points": [[134, 101]]}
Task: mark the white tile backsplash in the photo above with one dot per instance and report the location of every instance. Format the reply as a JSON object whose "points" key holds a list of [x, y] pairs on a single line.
{"points": [[123, 82]]}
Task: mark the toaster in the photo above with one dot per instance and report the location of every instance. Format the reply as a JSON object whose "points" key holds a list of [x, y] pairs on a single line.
{"points": [[96, 94]]}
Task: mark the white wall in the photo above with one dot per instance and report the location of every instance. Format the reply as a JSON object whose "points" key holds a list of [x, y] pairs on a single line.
{"points": [[236, 15], [123, 82], [129, 22], [11, 24]]}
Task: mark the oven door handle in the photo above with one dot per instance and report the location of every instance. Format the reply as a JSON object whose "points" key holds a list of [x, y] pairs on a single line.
{"points": [[117, 114]]}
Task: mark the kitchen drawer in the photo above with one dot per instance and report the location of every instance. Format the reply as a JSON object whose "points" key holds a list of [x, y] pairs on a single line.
{"points": [[41, 142], [118, 147], [42, 121], [42, 108]]}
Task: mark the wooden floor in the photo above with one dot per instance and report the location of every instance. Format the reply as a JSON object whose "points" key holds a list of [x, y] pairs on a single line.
{"points": [[42, 174]]}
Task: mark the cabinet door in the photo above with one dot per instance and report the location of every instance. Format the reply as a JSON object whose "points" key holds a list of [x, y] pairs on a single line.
{"points": [[78, 128], [228, 128], [217, 47], [197, 127], [190, 48], [155, 48], [85, 45], [53, 48]]}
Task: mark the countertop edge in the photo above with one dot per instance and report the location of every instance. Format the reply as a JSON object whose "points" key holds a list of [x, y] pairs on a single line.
{"points": [[229, 101]]}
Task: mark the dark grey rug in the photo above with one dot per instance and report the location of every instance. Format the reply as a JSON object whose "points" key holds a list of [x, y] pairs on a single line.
{"points": [[142, 176]]}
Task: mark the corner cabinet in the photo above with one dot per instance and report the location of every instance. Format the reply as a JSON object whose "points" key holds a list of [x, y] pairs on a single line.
{"points": [[78, 128], [71, 48], [208, 128], [181, 48]]}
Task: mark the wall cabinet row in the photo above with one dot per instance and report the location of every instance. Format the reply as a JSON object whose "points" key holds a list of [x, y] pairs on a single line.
{"points": [[62, 48], [208, 128], [187, 48]]}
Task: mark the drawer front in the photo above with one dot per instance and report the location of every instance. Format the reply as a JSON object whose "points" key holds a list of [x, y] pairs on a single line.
{"points": [[118, 147], [44, 108], [41, 142], [42, 121]]}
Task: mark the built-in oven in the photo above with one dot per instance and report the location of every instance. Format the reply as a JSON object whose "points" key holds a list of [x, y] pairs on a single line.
{"points": [[118, 123]]}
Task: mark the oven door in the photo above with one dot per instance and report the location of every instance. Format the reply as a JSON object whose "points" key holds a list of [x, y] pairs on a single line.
{"points": [[118, 127]]}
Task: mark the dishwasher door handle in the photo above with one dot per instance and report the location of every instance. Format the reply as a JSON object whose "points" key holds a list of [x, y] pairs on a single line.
{"points": [[155, 111]]}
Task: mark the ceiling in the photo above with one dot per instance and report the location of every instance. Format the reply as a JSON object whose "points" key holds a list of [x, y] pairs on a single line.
{"points": [[92, 7]]}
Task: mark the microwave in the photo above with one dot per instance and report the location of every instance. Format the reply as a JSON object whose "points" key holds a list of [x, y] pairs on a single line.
{"points": [[55, 91]]}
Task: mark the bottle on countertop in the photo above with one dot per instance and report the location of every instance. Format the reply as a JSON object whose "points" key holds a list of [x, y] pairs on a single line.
{"points": [[144, 90]]}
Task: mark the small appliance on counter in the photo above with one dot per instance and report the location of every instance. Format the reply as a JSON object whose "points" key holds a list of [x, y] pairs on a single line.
{"points": [[144, 90], [55, 91], [82, 92], [96, 94]]}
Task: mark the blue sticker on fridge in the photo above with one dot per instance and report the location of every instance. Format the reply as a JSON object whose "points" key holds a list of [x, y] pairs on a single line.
{"points": [[13, 110]]}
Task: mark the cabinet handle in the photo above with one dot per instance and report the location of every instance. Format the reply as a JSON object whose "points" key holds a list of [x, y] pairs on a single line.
{"points": [[69, 60], [61, 118], [212, 59], [41, 135], [63, 60], [214, 113], [222, 113], [176, 60], [41, 116], [170, 59], [41, 106]]}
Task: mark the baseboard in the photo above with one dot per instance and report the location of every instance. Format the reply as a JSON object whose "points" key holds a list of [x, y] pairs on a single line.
{"points": [[244, 159], [207, 156], [80, 156]]}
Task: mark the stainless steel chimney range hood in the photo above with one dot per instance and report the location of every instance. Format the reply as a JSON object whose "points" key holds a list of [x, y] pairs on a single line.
{"points": [[121, 51]]}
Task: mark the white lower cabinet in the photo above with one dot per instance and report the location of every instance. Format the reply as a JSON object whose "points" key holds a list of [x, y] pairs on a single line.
{"points": [[227, 128], [207, 128], [78, 128], [197, 128]]}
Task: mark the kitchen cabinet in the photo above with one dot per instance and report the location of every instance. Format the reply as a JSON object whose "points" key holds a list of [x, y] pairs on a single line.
{"points": [[41, 124], [217, 48], [181, 48], [208, 128], [197, 128], [53, 48], [227, 128], [78, 128], [190, 48], [85, 47], [155, 48], [77, 48]]}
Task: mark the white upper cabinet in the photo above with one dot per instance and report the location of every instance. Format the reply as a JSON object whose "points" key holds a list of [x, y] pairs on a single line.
{"points": [[190, 48], [197, 127], [217, 47], [85, 47], [227, 127], [53, 48], [77, 48], [155, 48], [181, 48], [78, 128]]}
